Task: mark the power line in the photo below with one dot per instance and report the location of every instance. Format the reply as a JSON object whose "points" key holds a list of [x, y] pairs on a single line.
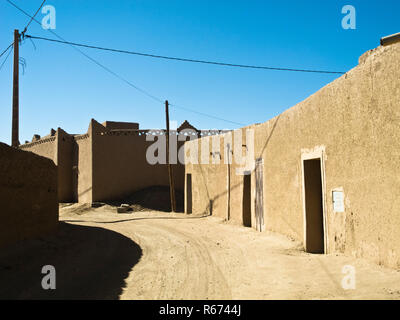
{"points": [[117, 75], [88, 57], [1, 67], [5, 50], [33, 17], [206, 115], [185, 59]]}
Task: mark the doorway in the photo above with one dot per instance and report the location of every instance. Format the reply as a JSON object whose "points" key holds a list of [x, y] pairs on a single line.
{"points": [[313, 206], [246, 204], [188, 193]]}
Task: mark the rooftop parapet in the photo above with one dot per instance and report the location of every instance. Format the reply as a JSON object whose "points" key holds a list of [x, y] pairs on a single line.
{"points": [[114, 125], [385, 41]]}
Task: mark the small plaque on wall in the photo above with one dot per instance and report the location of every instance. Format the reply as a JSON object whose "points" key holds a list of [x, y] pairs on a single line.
{"points": [[338, 201]]}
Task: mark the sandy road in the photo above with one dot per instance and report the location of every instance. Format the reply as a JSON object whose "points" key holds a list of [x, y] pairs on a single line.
{"points": [[204, 258]]}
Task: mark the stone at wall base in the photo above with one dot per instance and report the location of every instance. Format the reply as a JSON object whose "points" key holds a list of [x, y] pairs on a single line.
{"points": [[124, 209], [97, 204]]}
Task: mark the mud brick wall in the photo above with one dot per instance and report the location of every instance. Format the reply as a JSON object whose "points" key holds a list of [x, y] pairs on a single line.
{"points": [[28, 195]]}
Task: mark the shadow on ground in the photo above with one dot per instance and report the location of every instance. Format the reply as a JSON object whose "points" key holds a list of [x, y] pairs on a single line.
{"points": [[90, 262], [154, 198]]}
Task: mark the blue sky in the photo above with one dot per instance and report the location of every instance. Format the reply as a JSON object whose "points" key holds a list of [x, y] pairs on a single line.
{"points": [[61, 88]]}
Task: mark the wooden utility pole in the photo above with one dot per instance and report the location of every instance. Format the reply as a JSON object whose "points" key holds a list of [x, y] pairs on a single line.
{"points": [[170, 172], [15, 105]]}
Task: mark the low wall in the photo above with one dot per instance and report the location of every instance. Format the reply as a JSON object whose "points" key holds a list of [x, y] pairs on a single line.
{"points": [[28, 195]]}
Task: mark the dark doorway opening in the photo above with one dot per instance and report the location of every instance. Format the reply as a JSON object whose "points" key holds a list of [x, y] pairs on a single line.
{"points": [[247, 200], [314, 213], [188, 193], [259, 197]]}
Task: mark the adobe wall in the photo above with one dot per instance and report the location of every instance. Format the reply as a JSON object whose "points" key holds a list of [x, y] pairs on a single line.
{"points": [[46, 147], [82, 178], [120, 166], [96, 167], [354, 122], [58, 148], [28, 195], [64, 157], [115, 125]]}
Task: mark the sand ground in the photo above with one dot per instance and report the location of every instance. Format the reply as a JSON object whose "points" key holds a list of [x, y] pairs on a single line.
{"points": [[194, 257], [158, 255]]}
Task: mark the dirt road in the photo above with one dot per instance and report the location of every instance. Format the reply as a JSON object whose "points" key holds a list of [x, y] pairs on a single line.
{"points": [[204, 258], [174, 256]]}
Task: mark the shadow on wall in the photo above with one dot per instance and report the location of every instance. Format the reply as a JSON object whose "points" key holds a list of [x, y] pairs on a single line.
{"points": [[246, 201], [90, 263], [153, 198]]}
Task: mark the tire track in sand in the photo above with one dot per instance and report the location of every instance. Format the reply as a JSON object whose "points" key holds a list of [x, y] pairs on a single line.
{"points": [[187, 271]]}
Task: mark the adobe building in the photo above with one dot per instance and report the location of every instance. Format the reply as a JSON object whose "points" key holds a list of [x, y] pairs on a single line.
{"points": [[109, 161], [28, 196], [325, 172]]}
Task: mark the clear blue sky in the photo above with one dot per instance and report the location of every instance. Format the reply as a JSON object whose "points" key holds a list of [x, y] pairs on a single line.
{"points": [[61, 88]]}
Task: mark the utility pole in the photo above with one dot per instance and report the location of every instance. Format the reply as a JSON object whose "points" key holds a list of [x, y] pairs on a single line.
{"points": [[170, 172], [15, 104]]}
